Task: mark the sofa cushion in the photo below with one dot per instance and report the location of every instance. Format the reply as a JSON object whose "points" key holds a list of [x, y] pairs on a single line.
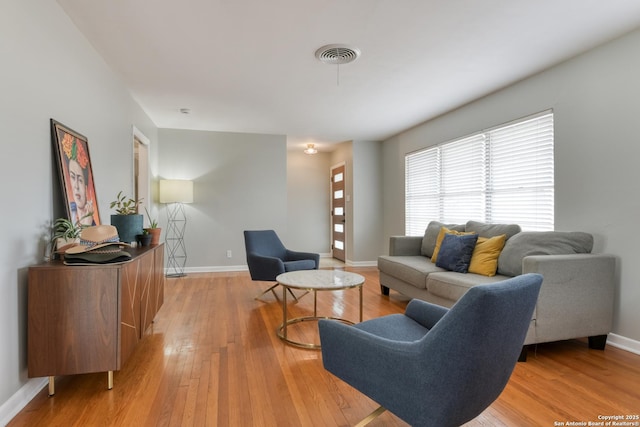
{"points": [[492, 230], [451, 285], [411, 269], [455, 252], [541, 243], [443, 232], [484, 259], [431, 235]]}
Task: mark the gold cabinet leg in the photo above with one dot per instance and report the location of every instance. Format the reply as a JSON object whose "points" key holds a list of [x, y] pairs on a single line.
{"points": [[110, 379], [52, 385]]}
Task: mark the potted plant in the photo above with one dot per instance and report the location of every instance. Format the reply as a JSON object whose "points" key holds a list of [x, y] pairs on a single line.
{"points": [[144, 239], [153, 229], [66, 233], [126, 219]]}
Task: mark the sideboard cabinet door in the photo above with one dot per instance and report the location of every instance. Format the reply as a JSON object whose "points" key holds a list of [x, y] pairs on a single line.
{"points": [[73, 320]]}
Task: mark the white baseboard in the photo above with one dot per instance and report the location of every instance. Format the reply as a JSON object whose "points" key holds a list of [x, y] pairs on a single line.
{"points": [[350, 263], [216, 269], [227, 268], [243, 267], [21, 398], [624, 343]]}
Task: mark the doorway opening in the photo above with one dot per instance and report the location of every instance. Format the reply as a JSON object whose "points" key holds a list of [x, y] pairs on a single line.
{"points": [[141, 176]]}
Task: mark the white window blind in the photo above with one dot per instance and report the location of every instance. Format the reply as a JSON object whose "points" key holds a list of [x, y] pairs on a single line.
{"points": [[503, 175]]}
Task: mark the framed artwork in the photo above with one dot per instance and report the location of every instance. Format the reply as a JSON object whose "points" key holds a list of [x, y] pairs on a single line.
{"points": [[76, 175]]}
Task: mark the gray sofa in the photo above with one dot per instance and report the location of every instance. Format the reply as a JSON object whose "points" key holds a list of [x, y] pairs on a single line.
{"points": [[576, 299]]}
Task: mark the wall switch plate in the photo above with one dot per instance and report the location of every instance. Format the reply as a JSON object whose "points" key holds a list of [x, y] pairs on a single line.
{"points": [[228, 253]]}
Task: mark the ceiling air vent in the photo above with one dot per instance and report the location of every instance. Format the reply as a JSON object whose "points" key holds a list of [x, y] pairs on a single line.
{"points": [[337, 54]]}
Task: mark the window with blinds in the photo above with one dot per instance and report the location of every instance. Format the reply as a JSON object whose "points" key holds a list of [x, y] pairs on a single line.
{"points": [[502, 175]]}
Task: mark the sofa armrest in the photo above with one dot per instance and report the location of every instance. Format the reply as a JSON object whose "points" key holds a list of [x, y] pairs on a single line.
{"points": [[405, 245], [577, 295]]}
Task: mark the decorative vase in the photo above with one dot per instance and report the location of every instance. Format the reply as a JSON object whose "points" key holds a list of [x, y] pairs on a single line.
{"points": [[128, 226], [155, 235]]}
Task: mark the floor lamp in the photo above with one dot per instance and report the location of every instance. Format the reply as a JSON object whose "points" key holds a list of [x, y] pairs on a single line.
{"points": [[175, 193]]}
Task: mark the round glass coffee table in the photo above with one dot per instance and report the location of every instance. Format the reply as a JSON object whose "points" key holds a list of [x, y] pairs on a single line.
{"points": [[314, 280]]}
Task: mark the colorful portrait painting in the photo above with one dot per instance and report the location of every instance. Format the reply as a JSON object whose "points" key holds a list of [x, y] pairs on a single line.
{"points": [[74, 167]]}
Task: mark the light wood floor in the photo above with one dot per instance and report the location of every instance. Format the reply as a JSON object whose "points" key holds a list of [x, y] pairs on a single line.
{"points": [[213, 359]]}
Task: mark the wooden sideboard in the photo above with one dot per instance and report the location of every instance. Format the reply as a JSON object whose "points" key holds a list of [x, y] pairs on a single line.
{"points": [[85, 319]]}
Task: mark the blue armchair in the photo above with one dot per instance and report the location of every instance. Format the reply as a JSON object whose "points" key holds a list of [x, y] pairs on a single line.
{"points": [[267, 257], [433, 366]]}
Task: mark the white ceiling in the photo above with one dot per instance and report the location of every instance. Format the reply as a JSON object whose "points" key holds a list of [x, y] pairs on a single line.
{"points": [[249, 65]]}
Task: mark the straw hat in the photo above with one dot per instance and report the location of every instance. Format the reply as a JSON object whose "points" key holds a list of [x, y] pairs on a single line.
{"points": [[104, 237]]}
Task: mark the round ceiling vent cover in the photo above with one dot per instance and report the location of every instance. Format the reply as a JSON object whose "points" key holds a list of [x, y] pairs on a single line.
{"points": [[337, 54]]}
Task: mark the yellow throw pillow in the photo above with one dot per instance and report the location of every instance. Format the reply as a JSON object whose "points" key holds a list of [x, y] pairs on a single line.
{"points": [[443, 231], [484, 259]]}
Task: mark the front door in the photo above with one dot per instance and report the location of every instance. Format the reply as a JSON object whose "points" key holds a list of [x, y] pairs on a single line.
{"points": [[338, 224]]}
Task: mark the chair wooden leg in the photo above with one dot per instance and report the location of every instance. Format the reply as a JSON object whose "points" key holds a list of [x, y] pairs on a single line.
{"points": [[275, 294], [272, 289], [294, 295], [372, 416]]}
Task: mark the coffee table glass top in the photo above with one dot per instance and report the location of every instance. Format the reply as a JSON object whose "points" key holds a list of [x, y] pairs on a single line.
{"points": [[320, 279]]}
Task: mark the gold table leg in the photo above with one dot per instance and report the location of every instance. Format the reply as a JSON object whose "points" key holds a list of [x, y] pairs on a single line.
{"points": [[315, 303], [110, 380], [360, 289], [284, 313], [282, 329]]}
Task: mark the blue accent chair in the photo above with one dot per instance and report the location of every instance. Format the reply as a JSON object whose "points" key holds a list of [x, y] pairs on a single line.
{"points": [[267, 257], [433, 366]]}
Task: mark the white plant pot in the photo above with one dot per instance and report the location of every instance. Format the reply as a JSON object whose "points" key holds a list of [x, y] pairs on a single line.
{"points": [[63, 244]]}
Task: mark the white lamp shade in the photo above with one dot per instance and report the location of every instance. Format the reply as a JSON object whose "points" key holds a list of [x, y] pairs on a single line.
{"points": [[176, 191]]}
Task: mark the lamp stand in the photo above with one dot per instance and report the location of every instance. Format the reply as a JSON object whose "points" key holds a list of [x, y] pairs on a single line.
{"points": [[174, 240]]}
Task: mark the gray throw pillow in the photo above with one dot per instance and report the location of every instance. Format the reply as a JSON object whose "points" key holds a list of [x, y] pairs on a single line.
{"points": [[541, 243], [492, 230], [431, 235]]}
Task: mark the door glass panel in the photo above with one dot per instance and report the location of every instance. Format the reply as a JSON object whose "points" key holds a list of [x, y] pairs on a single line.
{"points": [[338, 194], [338, 177], [338, 244], [339, 211], [339, 228]]}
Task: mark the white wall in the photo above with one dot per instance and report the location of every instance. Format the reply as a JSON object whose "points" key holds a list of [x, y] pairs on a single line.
{"points": [[240, 183], [366, 203], [49, 71], [308, 189], [245, 182], [595, 101]]}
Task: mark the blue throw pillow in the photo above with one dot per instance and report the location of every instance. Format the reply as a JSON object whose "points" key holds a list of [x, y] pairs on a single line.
{"points": [[455, 252]]}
